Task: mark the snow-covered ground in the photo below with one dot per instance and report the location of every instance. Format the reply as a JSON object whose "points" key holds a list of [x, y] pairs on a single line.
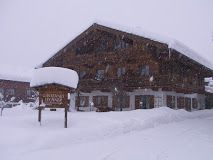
{"points": [[155, 134]]}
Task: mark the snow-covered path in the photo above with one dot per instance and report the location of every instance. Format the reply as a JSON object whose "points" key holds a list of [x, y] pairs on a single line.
{"points": [[157, 134]]}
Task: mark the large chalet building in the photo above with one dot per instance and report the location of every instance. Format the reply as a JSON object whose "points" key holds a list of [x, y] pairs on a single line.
{"points": [[124, 70]]}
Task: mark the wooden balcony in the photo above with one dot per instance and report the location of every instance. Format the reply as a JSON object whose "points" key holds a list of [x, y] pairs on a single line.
{"points": [[178, 85], [130, 84]]}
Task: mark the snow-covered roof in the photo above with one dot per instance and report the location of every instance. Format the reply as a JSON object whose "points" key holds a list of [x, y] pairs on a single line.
{"points": [[172, 43], [11, 77], [54, 75], [15, 73]]}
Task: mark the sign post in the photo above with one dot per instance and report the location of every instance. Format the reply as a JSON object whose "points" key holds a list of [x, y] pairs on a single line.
{"points": [[54, 84], [65, 117], [53, 96]]}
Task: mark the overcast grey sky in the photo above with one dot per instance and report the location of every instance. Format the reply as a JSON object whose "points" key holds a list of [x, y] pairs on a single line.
{"points": [[32, 30]]}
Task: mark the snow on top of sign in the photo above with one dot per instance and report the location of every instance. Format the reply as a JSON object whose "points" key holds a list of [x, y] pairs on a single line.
{"points": [[54, 75]]}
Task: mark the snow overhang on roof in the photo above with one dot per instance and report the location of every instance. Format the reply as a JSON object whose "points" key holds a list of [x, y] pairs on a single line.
{"points": [[54, 75], [172, 43]]}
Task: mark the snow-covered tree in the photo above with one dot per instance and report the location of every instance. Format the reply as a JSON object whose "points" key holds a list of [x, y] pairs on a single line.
{"points": [[2, 103]]}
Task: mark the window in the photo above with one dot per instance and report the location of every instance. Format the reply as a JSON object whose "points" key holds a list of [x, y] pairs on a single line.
{"points": [[144, 70], [188, 104], [144, 101], [10, 92], [99, 75], [123, 43], [194, 103], [121, 71], [84, 101], [180, 102], [120, 102], [100, 101], [29, 93], [200, 81], [171, 101]]}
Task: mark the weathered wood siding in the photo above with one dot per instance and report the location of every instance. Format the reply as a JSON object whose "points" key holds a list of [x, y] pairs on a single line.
{"points": [[106, 49], [19, 90]]}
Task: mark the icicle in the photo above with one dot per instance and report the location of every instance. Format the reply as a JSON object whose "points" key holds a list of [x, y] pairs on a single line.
{"points": [[169, 53]]}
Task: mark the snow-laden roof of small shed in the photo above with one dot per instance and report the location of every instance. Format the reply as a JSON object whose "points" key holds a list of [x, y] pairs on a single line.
{"points": [[10, 77], [172, 43], [14, 73], [54, 75]]}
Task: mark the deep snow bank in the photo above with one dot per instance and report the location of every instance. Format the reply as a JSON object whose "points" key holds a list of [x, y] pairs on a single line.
{"points": [[84, 128], [93, 125]]}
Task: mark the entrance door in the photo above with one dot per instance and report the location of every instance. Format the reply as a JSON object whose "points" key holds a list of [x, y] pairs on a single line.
{"points": [[144, 102]]}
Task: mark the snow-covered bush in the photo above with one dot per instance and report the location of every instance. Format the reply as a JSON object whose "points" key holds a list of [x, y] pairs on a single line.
{"points": [[1, 97]]}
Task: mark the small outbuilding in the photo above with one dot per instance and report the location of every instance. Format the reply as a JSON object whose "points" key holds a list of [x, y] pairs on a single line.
{"points": [[15, 88]]}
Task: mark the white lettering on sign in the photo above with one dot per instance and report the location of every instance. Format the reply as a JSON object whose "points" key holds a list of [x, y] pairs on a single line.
{"points": [[53, 99]]}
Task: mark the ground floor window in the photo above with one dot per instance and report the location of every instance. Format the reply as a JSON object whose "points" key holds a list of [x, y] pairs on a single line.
{"points": [[194, 103], [120, 102], [10, 92], [170, 101], [100, 101], [180, 102], [158, 101], [30, 93], [188, 104], [83, 101], [144, 101], [184, 103]]}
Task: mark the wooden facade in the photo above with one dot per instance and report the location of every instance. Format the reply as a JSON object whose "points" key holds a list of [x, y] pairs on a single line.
{"points": [[16, 90], [150, 72]]}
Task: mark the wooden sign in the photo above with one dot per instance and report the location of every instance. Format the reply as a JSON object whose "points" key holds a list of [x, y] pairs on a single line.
{"points": [[53, 96], [54, 99]]}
